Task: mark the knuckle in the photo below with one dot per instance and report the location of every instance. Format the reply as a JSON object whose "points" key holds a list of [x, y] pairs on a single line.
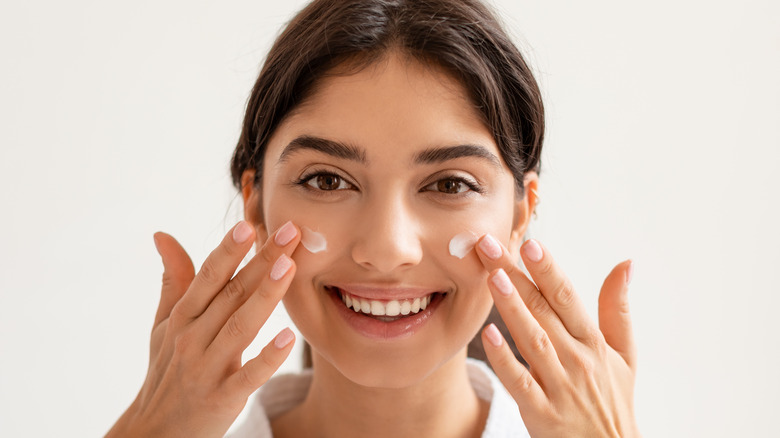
{"points": [[537, 305], [540, 342], [564, 294], [547, 268], [234, 289], [583, 364], [177, 317], [209, 273], [594, 339], [234, 326], [523, 383], [247, 379]]}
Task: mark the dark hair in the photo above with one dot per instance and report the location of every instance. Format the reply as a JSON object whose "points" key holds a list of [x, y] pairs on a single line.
{"points": [[461, 36]]}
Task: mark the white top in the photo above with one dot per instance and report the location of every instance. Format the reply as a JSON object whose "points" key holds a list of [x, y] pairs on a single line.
{"points": [[286, 391]]}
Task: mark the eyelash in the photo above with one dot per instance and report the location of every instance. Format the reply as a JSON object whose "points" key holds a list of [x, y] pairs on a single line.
{"points": [[304, 180]]}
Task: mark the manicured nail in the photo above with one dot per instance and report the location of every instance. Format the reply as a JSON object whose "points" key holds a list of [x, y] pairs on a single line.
{"points": [[241, 232], [629, 272], [285, 234], [502, 282], [533, 251], [283, 338], [281, 266], [490, 247], [493, 335]]}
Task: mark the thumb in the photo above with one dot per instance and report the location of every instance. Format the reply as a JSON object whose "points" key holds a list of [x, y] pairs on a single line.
{"points": [[178, 273], [614, 315]]}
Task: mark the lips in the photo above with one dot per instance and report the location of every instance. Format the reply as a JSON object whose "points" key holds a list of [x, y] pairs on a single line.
{"points": [[388, 308], [385, 319]]}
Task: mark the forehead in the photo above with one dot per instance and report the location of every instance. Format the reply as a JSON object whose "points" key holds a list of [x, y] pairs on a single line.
{"points": [[394, 105]]}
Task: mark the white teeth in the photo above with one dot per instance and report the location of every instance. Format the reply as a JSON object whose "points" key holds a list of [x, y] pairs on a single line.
{"points": [[416, 305], [393, 308], [386, 308], [377, 309]]}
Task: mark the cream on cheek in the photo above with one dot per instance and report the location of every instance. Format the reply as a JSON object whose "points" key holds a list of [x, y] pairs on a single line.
{"points": [[313, 241], [462, 243]]}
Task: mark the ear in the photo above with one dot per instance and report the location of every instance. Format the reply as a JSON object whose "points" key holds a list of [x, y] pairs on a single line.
{"points": [[253, 204], [524, 208]]}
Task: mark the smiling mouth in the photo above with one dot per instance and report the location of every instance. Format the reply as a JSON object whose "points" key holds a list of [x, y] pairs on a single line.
{"points": [[386, 310]]}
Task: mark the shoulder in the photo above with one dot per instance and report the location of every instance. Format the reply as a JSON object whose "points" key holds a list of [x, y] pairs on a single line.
{"points": [[504, 420]]}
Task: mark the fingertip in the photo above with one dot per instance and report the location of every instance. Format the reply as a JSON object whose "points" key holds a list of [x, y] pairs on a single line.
{"points": [[493, 336], [156, 243], [629, 271], [490, 247], [532, 250], [284, 338]]}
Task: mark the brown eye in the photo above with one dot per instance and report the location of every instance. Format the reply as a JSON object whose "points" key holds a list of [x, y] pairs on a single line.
{"points": [[327, 182], [452, 186]]}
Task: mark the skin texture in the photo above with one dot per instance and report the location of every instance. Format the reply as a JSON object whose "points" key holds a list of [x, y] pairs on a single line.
{"points": [[388, 220]]}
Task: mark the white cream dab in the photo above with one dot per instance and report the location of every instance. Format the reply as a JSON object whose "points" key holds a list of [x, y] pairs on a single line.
{"points": [[313, 241], [462, 243]]}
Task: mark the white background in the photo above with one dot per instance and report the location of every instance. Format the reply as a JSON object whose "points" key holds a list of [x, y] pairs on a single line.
{"points": [[119, 119]]}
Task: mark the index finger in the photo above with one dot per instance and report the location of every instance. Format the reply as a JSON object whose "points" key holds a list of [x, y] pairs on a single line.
{"points": [[216, 270], [494, 256], [558, 290]]}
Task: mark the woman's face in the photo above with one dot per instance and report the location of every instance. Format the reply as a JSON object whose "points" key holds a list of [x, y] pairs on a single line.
{"points": [[388, 164]]}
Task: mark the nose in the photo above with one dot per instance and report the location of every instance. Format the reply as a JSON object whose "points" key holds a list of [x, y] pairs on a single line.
{"points": [[387, 236]]}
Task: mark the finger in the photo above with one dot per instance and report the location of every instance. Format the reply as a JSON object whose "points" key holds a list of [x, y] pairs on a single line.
{"points": [[258, 370], [515, 377], [178, 272], [243, 325], [494, 256], [531, 340], [614, 315], [217, 269], [247, 281], [559, 292]]}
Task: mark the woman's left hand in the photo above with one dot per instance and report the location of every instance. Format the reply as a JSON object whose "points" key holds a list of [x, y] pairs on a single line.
{"points": [[580, 378]]}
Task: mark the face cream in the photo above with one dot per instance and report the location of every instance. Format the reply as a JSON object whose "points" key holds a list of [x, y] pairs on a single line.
{"points": [[462, 243], [312, 240]]}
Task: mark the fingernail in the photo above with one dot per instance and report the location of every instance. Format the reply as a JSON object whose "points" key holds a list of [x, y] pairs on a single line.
{"points": [[502, 282], [493, 335], [281, 266], [489, 245], [532, 250], [241, 232], [629, 272], [285, 234], [157, 245], [283, 338]]}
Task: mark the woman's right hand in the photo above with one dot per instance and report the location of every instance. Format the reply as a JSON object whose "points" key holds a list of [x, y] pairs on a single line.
{"points": [[196, 385]]}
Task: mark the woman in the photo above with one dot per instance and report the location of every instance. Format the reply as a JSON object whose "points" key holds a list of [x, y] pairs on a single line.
{"points": [[388, 164]]}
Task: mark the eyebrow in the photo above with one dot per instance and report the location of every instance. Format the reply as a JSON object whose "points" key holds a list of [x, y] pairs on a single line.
{"points": [[440, 155], [353, 153], [330, 147]]}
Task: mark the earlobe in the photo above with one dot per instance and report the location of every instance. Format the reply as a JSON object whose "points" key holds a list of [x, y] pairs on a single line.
{"points": [[524, 209], [252, 204]]}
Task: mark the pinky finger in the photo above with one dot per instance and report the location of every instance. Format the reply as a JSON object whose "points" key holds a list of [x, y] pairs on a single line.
{"points": [[258, 370], [513, 375]]}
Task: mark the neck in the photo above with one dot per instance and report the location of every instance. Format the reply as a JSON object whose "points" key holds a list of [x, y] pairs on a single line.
{"points": [[442, 404]]}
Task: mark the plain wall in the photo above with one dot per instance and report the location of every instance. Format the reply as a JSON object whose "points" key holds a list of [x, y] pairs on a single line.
{"points": [[118, 119]]}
